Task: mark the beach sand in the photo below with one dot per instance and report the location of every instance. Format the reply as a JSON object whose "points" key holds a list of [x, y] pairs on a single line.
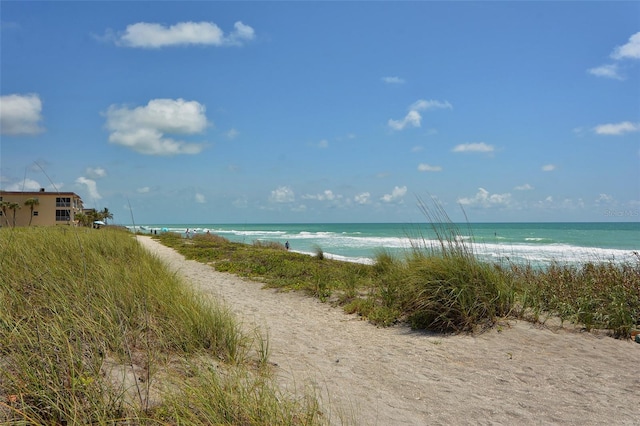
{"points": [[517, 373]]}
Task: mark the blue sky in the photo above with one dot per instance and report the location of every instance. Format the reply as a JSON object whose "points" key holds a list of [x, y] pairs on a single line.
{"points": [[244, 112]]}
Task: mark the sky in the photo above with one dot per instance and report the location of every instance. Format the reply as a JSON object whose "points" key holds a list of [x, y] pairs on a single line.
{"points": [[316, 112]]}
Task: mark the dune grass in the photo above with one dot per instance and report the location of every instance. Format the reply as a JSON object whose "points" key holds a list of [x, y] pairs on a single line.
{"points": [[442, 287], [95, 330]]}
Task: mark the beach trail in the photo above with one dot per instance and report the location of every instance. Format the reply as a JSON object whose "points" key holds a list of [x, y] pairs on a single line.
{"points": [[518, 373]]}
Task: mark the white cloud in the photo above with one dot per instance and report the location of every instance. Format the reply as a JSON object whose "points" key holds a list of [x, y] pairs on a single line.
{"points": [[282, 194], [25, 185], [422, 105], [363, 198], [396, 195], [95, 173], [525, 187], [200, 199], [604, 199], [428, 168], [417, 148], [630, 50], [413, 117], [20, 114], [617, 128], [608, 71], [151, 35], [323, 144], [91, 187], [548, 167], [327, 195], [474, 147], [393, 80], [484, 199], [143, 129], [240, 34], [143, 190]]}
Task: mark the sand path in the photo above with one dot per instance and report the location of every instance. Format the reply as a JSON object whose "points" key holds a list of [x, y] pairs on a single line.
{"points": [[517, 374]]}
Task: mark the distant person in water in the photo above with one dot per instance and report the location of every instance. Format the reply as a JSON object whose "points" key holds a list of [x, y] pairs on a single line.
{"points": [[286, 245]]}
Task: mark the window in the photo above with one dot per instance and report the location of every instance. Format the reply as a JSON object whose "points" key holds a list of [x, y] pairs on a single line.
{"points": [[63, 202], [63, 215], [35, 213]]}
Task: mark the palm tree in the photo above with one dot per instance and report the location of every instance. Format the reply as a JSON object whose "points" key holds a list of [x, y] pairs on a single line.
{"points": [[31, 202], [4, 205], [81, 218], [14, 207], [91, 216], [106, 214]]}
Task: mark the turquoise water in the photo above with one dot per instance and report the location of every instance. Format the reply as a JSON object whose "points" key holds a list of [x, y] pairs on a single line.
{"points": [[535, 243]]}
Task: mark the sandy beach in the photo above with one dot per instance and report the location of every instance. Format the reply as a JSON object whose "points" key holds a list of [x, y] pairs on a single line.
{"points": [[517, 373]]}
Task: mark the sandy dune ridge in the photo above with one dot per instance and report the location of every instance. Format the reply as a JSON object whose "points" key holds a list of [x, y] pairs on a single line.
{"points": [[519, 373]]}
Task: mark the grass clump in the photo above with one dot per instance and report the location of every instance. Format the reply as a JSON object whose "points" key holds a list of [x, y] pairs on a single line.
{"points": [[596, 295], [93, 329]]}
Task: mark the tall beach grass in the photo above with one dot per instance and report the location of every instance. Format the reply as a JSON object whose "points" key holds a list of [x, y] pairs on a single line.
{"points": [[93, 329]]}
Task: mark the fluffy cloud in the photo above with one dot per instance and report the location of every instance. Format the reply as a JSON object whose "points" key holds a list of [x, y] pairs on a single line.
{"points": [[143, 129], [607, 71], [474, 147], [327, 195], [363, 198], [282, 194], [631, 50], [150, 35], [396, 195], [617, 128], [525, 187], [20, 114], [484, 199], [429, 168], [95, 173], [25, 185], [413, 117], [548, 167], [143, 190], [91, 187], [604, 199], [200, 199]]}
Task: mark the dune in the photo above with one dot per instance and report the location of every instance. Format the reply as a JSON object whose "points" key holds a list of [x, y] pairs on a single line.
{"points": [[515, 373]]}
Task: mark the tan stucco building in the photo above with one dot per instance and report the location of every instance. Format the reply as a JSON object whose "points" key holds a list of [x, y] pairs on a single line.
{"points": [[53, 208]]}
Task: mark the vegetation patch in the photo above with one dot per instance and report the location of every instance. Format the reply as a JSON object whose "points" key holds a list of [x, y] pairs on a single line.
{"points": [[441, 287], [93, 329]]}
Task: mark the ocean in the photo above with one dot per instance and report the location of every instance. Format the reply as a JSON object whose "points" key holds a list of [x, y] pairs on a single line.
{"points": [[537, 244]]}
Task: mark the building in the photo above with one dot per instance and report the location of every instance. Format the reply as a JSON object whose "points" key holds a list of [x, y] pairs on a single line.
{"points": [[51, 208]]}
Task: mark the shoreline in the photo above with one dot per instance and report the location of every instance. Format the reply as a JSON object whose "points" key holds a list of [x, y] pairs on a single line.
{"points": [[360, 243]]}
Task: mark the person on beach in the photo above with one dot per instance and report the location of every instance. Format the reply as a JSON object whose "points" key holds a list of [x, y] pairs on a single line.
{"points": [[286, 245], [187, 233]]}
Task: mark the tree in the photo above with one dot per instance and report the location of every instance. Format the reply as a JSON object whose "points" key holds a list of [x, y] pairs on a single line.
{"points": [[4, 205], [31, 202], [91, 216], [81, 218], [14, 207], [105, 214]]}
